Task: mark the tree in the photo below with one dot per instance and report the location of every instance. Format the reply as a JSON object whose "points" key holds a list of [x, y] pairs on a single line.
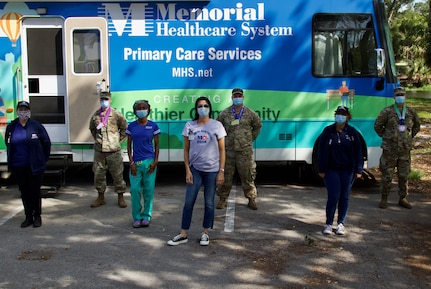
{"points": [[410, 34], [393, 7], [428, 38]]}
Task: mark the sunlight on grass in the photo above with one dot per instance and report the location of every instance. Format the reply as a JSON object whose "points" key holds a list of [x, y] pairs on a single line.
{"points": [[415, 175], [421, 105]]}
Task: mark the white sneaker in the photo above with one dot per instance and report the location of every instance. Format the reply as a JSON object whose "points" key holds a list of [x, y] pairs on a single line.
{"points": [[340, 229], [327, 230], [205, 239]]}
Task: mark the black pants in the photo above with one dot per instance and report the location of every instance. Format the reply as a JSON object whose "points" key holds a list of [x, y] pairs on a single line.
{"points": [[29, 186]]}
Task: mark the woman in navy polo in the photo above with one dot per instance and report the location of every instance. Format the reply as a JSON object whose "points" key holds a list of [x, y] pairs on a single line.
{"points": [[28, 149]]}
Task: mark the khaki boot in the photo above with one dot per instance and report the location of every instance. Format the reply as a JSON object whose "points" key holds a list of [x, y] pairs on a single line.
{"points": [[121, 202], [99, 201], [404, 203], [252, 204], [222, 204], [384, 202]]}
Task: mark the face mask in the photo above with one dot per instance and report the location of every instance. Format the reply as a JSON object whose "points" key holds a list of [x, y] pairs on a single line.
{"points": [[203, 111], [340, 119], [142, 113], [238, 101], [24, 114], [400, 99], [104, 103]]}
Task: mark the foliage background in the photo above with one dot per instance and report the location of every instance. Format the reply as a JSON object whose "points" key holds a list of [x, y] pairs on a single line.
{"points": [[409, 23]]}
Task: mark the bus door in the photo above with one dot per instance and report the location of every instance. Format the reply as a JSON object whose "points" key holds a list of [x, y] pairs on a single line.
{"points": [[43, 74], [86, 47]]}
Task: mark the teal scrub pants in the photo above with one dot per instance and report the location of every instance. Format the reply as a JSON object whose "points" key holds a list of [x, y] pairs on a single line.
{"points": [[142, 188]]}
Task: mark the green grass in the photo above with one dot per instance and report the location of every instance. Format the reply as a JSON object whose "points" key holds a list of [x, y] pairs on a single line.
{"points": [[415, 175], [422, 107]]}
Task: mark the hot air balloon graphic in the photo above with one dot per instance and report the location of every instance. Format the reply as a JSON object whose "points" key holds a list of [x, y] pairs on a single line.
{"points": [[11, 26]]}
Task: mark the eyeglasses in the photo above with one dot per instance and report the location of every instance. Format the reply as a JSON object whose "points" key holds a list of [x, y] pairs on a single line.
{"points": [[203, 105], [104, 98]]}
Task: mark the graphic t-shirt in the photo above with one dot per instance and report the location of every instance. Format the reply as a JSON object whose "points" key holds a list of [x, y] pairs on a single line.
{"points": [[204, 153]]}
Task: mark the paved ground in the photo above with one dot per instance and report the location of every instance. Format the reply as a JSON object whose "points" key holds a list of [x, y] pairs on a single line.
{"points": [[278, 246]]}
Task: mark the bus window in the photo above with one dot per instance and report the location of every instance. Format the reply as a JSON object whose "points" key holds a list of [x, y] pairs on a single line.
{"points": [[344, 45], [86, 51]]}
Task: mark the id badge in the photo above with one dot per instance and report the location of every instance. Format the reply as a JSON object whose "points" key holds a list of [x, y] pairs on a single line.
{"points": [[402, 128], [191, 136], [100, 125], [235, 122]]}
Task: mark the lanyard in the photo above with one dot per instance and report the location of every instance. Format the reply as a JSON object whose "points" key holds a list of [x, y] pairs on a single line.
{"points": [[104, 120], [237, 116], [400, 115]]}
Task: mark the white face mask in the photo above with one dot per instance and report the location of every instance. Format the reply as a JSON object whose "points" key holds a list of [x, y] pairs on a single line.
{"points": [[24, 114]]}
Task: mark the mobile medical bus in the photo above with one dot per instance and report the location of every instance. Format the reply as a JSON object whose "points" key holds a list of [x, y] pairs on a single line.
{"points": [[290, 57]]}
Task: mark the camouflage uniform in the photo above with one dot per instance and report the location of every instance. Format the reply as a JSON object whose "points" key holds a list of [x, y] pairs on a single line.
{"points": [[107, 150], [396, 147], [239, 151]]}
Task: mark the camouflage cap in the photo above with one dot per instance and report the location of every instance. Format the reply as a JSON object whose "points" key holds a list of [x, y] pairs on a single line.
{"points": [[399, 91], [237, 91], [105, 94]]}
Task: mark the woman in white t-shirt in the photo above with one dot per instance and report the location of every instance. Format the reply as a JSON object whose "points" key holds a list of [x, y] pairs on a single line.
{"points": [[204, 159]]}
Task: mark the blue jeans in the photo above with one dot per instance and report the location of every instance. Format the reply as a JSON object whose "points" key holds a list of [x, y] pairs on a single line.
{"points": [[338, 185], [192, 190]]}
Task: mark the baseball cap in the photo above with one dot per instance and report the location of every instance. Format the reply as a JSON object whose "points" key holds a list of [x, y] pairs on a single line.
{"points": [[237, 91], [105, 94], [399, 91], [23, 103], [343, 110]]}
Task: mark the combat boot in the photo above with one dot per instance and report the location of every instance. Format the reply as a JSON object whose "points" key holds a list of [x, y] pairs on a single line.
{"points": [[121, 202], [384, 202], [252, 204], [222, 203], [99, 201], [404, 203]]}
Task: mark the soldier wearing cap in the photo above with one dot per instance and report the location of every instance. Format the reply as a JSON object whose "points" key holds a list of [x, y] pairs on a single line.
{"points": [[108, 127], [28, 149], [242, 126], [397, 125]]}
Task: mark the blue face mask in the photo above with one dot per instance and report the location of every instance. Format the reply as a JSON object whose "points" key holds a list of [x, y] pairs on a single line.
{"points": [[104, 103], [400, 99], [238, 101], [142, 113], [340, 119], [203, 111]]}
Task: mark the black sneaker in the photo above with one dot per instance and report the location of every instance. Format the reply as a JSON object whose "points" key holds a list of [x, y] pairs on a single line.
{"points": [[177, 240], [37, 222], [27, 222]]}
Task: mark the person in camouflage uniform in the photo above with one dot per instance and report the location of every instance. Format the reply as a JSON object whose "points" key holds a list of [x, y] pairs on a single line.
{"points": [[108, 127], [397, 125], [242, 126]]}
